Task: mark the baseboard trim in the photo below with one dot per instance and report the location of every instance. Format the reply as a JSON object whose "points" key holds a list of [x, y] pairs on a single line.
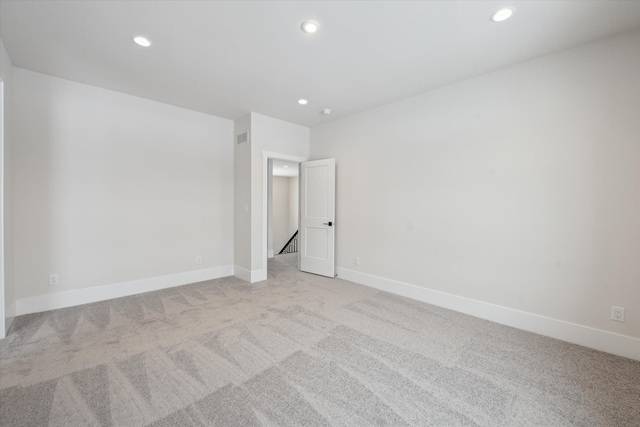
{"points": [[620, 345], [10, 315], [242, 273], [75, 297], [8, 321], [251, 276], [270, 253], [11, 311], [258, 275]]}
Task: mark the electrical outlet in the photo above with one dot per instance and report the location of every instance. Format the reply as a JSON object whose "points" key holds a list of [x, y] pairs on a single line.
{"points": [[53, 279], [617, 313], [198, 259], [356, 260]]}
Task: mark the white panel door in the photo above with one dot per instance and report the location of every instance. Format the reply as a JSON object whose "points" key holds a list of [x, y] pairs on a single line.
{"points": [[317, 216]]}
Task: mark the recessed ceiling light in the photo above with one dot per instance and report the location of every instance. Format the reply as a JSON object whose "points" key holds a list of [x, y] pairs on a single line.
{"points": [[310, 26], [302, 101], [502, 15], [142, 41], [326, 111], [286, 166]]}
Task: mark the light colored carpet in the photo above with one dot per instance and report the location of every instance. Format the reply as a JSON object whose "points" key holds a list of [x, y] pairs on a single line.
{"points": [[299, 350]]}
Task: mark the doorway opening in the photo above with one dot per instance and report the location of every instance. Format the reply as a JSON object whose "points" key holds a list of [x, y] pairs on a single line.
{"points": [[282, 211]]}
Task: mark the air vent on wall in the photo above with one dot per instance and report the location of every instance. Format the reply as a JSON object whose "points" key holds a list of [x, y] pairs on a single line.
{"points": [[243, 137]]}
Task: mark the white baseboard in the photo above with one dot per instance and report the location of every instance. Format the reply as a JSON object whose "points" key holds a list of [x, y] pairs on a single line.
{"points": [[10, 314], [258, 275], [251, 276], [270, 253], [11, 310], [242, 273], [7, 325], [100, 293], [609, 342]]}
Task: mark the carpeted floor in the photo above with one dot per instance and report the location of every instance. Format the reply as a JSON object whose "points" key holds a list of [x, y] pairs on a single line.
{"points": [[299, 350]]}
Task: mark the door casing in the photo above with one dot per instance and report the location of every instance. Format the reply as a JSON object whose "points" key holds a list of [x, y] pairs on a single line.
{"points": [[266, 155]]}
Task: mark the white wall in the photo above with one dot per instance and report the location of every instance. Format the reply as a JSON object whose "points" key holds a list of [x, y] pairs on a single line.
{"points": [[285, 213], [293, 206], [112, 188], [280, 212], [285, 210], [242, 199], [270, 250], [288, 141], [273, 136], [7, 299], [518, 188]]}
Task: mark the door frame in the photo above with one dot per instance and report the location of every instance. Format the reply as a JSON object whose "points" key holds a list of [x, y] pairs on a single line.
{"points": [[4, 325], [266, 155]]}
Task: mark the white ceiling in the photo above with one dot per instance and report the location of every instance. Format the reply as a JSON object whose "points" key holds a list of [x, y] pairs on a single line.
{"points": [[229, 58], [284, 168]]}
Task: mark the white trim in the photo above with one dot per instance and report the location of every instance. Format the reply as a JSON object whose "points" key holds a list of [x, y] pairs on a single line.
{"points": [[609, 342], [250, 276], [258, 275], [100, 293], [266, 155], [270, 253], [242, 273], [11, 312], [9, 316], [4, 327]]}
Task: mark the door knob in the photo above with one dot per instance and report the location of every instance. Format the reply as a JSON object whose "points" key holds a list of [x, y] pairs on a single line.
{"points": [[328, 223]]}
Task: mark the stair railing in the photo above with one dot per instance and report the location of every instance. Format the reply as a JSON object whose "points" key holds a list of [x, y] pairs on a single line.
{"points": [[291, 246]]}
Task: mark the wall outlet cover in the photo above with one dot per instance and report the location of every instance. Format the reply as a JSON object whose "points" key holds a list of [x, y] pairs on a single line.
{"points": [[617, 313]]}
